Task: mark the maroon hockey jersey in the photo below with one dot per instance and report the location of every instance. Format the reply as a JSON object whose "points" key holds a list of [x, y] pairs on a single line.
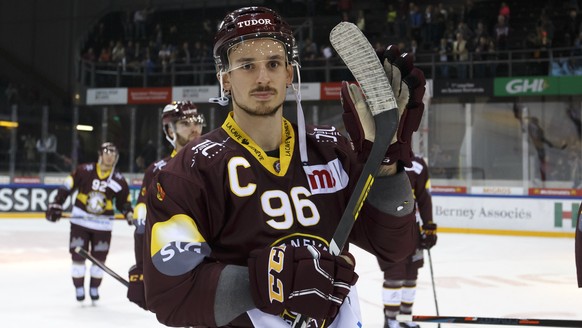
{"points": [[97, 190], [420, 181], [140, 209], [222, 197]]}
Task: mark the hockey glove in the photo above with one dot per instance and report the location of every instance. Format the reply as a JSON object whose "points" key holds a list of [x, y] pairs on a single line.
{"points": [[408, 85], [127, 212], [305, 280], [428, 236], [135, 290], [54, 212]]}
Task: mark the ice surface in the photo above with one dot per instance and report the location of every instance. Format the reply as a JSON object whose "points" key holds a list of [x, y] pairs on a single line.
{"points": [[476, 275]]}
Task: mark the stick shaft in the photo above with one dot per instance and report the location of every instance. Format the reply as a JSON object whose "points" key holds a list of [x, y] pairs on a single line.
{"points": [[493, 321], [112, 217], [100, 264]]}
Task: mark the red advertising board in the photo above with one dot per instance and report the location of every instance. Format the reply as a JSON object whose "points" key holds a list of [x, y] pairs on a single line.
{"points": [[149, 95]]}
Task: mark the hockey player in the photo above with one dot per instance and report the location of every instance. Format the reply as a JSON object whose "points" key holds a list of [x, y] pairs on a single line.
{"points": [[400, 278], [98, 185], [239, 222], [181, 124], [578, 243]]}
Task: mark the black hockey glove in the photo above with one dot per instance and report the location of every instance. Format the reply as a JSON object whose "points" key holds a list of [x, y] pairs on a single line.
{"points": [[306, 280], [428, 236], [127, 212], [54, 212], [135, 290]]}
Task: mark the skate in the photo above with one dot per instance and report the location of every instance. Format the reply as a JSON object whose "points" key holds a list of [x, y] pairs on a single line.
{"points": [[391, 323], [94, 294], [80, 291]]}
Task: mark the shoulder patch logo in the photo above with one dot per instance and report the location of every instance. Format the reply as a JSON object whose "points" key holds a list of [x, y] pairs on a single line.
{"points": [[161, 193]]}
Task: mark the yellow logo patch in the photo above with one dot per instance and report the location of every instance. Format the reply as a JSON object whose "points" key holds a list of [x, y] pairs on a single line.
{"points": [[161, 193]]}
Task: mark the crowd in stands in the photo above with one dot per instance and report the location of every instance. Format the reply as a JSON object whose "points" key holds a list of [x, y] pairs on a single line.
{"points": [[455, 32]]}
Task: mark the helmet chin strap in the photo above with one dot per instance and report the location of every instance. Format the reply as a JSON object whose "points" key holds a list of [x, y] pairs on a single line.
{"points": [[300, 117], [223, 99]]}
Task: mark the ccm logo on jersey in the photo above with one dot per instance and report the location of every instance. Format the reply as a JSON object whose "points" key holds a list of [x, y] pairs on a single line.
{"points": [[326, 178]]}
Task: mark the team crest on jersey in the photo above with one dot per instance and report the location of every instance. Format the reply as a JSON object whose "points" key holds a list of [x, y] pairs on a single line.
{"points": [[161, 193], [325, 134], [207, 149], [96, 202], [326, 178]]}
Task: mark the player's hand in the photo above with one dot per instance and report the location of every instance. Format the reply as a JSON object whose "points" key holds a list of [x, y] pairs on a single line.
{"points": [[306, 280], [408, 86], [127, 212], [135, 290], [428, 237], [54, 212]]}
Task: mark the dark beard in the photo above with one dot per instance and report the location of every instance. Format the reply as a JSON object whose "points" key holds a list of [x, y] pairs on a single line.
{"points": [[259, 112]]}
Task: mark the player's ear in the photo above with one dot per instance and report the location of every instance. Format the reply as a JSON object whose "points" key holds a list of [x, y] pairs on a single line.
{"points": [[225, 81], [290, 73]]}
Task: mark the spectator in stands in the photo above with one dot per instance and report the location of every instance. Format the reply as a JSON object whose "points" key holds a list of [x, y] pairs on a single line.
{"points": [[391, 16], [470, 15], [501, 33], [127, 23], [483, 50], [403, 18], [309, 50], [361, 21], [444, 51], [89, 55], [571, 27], [416, 22], [105, 55], [118, 52], [461, 54], [504, 11], [546, 29], [428, 29], [184, 53], [345, 9], [139, 22]]}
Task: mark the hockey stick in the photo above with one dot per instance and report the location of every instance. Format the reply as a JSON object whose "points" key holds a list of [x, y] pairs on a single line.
{"points": [[493, 321], [114, 217], [361, 59], [436, 304], [100, 264]]}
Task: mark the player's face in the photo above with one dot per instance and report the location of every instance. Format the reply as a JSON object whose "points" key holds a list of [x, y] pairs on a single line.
{"points": [[187, 130], [258, 76], [108, 158]]}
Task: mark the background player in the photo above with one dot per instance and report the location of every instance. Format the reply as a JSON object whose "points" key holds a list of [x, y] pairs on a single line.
{"points": [[181, 123], [239, 223], [98, 185], [399, 289]]}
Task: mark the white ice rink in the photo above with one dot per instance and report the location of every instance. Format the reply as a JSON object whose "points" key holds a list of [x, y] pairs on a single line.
{"points": [[476, 275]]}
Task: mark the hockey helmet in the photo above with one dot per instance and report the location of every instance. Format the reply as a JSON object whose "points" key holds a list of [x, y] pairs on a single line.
{"points": [[252, 23], [177, 111], [108, 147], [181, 110]]}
